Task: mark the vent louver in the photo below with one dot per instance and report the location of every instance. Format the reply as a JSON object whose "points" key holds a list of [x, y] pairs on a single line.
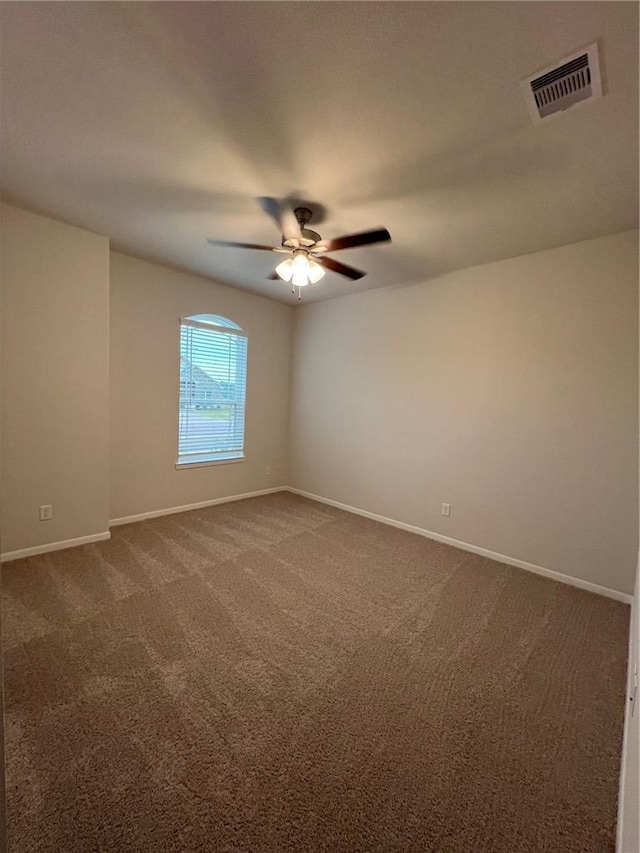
{"points": [[570, 82]]}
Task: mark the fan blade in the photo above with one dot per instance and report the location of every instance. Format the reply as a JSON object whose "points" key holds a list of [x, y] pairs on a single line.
{"points": [[274, 277], [379, 235], [341, 269], [283, 216], [242, 245]]}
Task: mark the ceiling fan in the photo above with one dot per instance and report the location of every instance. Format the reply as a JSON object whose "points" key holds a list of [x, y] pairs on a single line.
{"points": [[307, 251]]}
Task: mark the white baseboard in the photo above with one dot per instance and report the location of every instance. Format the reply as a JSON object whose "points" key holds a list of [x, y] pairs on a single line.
{"points": [[474, 549], [156, 513], [54, 546]]}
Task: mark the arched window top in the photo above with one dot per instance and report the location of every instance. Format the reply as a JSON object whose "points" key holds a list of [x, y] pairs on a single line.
{"points": [[215, 320]]}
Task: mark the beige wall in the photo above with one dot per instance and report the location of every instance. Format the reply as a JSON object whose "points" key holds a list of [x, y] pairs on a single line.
{"points": [[55, 368], [508, 390], [147, 302]]}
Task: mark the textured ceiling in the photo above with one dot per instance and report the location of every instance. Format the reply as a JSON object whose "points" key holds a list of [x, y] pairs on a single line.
{"points": [[159, 124]]}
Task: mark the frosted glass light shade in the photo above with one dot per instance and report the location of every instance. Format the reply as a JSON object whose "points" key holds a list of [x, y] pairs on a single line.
{"points": [[315, 272], [285, 269], [300, 270]]}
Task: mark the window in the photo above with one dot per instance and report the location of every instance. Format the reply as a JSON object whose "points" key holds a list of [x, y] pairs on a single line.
{"points": [[213, 379]]}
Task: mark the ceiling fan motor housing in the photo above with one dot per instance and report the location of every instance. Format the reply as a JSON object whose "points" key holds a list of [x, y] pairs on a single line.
{"points": [[309, 237]]}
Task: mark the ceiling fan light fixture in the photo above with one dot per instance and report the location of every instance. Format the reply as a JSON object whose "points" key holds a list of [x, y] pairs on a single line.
{"points": [[300, 269]]}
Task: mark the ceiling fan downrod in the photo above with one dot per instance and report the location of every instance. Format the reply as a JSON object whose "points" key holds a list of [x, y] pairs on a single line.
{"points": [[308, 237], [303, 215]]}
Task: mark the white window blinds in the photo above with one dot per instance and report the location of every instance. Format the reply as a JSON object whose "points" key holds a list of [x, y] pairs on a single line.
{"points": [[213, 379]]}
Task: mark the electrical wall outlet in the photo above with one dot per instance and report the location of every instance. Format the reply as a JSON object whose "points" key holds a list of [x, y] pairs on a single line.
{"points": [[267, 470], [46, 512], [446, 509]]}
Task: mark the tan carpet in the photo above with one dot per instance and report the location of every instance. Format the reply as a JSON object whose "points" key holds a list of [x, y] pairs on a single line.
{"points": [[276, 675]]}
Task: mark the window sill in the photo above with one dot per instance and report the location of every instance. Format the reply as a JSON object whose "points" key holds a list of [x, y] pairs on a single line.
{"points": [[201, 463]]}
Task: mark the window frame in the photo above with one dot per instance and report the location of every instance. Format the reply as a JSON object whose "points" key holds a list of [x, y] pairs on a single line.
{"points": [[226, 327]]}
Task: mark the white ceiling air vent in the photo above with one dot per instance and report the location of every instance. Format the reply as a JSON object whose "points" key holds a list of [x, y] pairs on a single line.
{"points": [[564, 85]]}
